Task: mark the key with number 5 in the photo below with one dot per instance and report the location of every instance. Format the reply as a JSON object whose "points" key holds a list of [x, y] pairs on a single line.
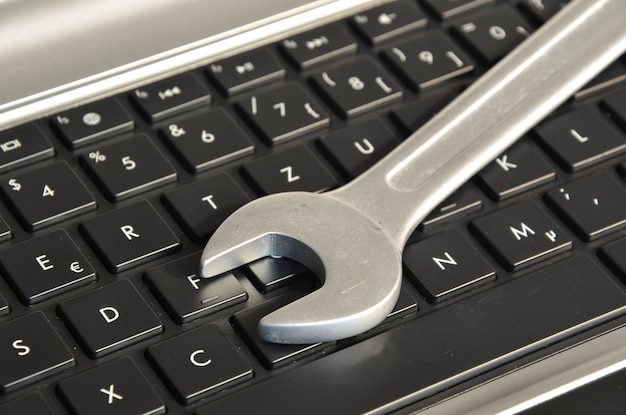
{"points": [[128, 167]]}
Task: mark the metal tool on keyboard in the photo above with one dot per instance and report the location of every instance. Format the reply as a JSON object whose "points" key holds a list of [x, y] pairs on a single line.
{"points": [[352, 238]]}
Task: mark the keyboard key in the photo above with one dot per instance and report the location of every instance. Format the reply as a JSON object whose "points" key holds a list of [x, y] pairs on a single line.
{"points": [[358, 86], [358, 147], [462, 202], [615, 105], [296, 169], [4, 306], [609, 78], [272, 355], [129, 236], [283, 113], [29, 404], [518, 170], [493, 33], [186, 296], [428, 60], [23, 145], [519, 235], [30, 350], [116, 388], [45, 266], [128, 167], [198, 363], [410, 117], [525, 315], [593, 205], [445, 265], [615, 255], [91, 122], [270, 273], [246, 71], [445, 9], [5, 231], [388, 21], [202, 206], [318, 45], [164, 98], [47, 195], [581, 138], [543, 10], [109, 318], [207, 140]]}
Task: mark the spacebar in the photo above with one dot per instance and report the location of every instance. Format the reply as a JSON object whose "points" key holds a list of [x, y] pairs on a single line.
{"points": [[440, 349]]}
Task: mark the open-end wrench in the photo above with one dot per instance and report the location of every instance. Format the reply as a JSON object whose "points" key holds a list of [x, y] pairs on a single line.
{"points": [[352, 237]]}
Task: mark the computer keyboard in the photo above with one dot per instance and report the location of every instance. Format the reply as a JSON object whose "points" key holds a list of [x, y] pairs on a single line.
{"points": [[106, 207]]}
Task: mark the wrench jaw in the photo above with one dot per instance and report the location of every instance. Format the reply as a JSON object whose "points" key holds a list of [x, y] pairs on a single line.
{"points": [[359, 265]]}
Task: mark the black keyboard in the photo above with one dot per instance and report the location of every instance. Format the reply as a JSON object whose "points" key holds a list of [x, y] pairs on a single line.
{"points": [[107, 206]]}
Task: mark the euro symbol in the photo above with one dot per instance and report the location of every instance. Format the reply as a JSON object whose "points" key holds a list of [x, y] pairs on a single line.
{"points": [[75, 267]]}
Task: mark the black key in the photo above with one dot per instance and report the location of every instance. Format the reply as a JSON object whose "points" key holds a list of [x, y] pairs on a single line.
{"points": [[518, 170], [581, 138], [428, 60], [270, 273], [462, 202], [109, 318], [202, 206], [91, 122], [116, 388], [246, 71], [4, 306], [164, 98], [615, 105], [296, 169], [388, 21], [45, 266], [283, 113], [445, 265], [47, 195], [523, 315], [445, 9], [615, 254], [520, 235], [5, 231], [358, 147], [358, 86], [29, 404], [318, 45], [23, 145], [129, 236], [30, 350], [543, 10], [129, 167], [609, 78], [493, 33], [272, 355], [198, 363], [593, 205], [412, 116], [186, 296], [207, 140]]}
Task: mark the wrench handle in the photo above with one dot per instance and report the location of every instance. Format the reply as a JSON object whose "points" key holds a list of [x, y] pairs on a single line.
{"points": [[488, 117]]}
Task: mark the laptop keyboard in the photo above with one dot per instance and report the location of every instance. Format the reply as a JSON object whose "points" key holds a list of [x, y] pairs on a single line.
{"points": [[107, 206]]}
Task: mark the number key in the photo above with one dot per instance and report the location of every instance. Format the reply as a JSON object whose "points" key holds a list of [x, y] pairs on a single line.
{"points": [[47, 195], [129, 167], [358, 86], [283, 113]]}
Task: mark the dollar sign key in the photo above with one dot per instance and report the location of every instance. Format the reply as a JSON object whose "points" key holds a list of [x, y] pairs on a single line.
{"points": [[15, 185]]}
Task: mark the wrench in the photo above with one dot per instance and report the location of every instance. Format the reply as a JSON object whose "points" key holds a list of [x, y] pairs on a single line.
{"points": [[352, 237]]}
